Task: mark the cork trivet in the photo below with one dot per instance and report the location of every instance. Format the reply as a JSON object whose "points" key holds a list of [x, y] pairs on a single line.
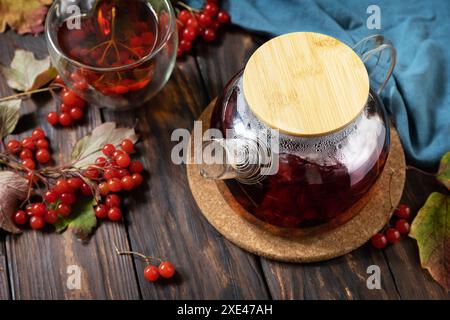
{"points": [[220, 209]]}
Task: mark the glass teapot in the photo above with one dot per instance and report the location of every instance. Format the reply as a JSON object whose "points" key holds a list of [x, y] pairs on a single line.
{"points": [[306, 134]]}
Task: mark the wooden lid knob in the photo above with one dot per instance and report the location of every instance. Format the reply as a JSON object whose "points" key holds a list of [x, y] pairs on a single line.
{"points": [[306, 84]]}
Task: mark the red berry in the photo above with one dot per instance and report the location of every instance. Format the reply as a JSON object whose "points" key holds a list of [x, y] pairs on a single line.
{"points": [[13, 146], [100, 162], [127, 145], [20, 217], [209, 35], [115, 214], [65, 119], [103, 188], [189, 34], [108, 150], [43, 156], [184, 16], [127, 183], [42, 144], [151, 273], [117, 153], [123, 172], [185, 45], [137, 179], [53, 118], [392, 235], [51, 196], [91, 173], [37, 223], [192, 23], [39, 209], [71, 100], [402, 226], [64, 108], [112, 200], [68, 198], [136, 167], [26, 154], [28, 143], [63, 209], [110, 173], [76, 113], [403, 212], [223, 17], [204, 20], [37, 134], [123, 160], [114, 185], [74, 183], [211, 9], [51, 216], [215, 25], [166, 270], [101, 211], [379, 241], [62, 186], [29, 164], [86, 190]]}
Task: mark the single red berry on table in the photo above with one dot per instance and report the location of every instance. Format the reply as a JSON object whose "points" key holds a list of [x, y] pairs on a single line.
{"points": [[108, 150], [137, 179], [29, 164], [37, 223], [151, 273], [62, 186], [402, 226], [28, 143], [20, 217], [65, 119], [112, 200], [53, 118], [51, 196], [115, 214], [39, 209], [379, 241], [114, 185], [26, 154], [51, 216], [403, 212], [43, 156], [127, 145], [42, 144], [101, 211], [74, 183], [76, 113], [123, 160], [166, 270], [63, 209], [37, 134], [392, 235], [13, 146]]}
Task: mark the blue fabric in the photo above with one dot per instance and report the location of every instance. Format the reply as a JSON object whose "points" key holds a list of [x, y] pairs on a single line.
{"points": [[419, 96]]}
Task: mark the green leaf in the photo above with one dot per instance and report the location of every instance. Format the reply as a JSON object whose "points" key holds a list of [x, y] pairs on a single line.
{"points": [[89, 147], [26, 73], [9, 116], [13, 188], [443, 174], [82, 220], [431, 229]]}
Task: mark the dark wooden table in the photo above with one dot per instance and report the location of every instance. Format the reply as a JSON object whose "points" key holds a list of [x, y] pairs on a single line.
{"points": [[163, 219]]}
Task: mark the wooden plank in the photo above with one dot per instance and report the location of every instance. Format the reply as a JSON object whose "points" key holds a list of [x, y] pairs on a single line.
{"points": [[38, 262], [412, 281], [4, 280], [343, 278], [164, 220]]}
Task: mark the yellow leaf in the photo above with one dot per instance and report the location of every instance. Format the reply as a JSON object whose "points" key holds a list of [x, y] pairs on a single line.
{"points": [[24, 16]]}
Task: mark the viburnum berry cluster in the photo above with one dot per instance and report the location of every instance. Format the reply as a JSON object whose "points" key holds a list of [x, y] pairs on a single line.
{"points": [[204, 23], [393, 232], [54, 190], [72, 106], [152, 272]]}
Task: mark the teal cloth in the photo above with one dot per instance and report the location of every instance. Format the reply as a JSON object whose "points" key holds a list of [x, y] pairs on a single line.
{"points": [[418, 97]]}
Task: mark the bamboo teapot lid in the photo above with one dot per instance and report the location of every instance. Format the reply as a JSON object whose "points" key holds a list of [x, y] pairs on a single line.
{"points": [[306, 84]]}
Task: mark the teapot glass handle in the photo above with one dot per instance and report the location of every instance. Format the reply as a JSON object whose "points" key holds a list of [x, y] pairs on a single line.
{"points": [[384, 56]]}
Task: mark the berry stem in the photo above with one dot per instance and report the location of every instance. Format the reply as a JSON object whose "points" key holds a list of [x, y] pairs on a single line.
{"points": [[187, 7], [27, 94], [420, 171], [140, 255]]}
